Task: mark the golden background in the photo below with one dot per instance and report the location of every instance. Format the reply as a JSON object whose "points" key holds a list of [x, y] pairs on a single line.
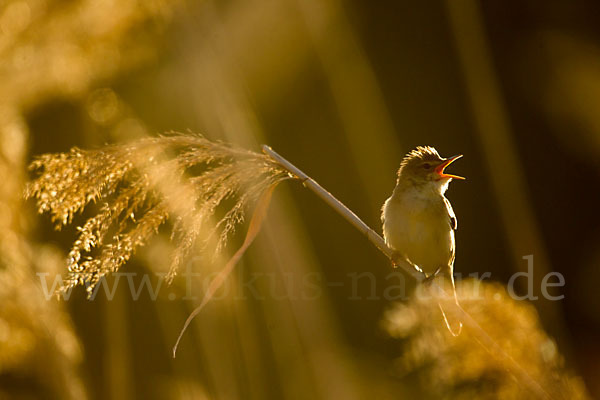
{"points": [[343, 90]]}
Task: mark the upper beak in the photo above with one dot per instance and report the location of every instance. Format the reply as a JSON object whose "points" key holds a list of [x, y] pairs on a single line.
{"points": [[440, 168]]}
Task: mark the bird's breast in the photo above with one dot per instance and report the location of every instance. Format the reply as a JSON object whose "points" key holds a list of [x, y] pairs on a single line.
{"points": [[419, 228]]}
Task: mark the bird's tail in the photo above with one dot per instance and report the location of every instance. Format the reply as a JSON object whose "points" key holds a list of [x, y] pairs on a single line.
{"points": [[443, 289]]}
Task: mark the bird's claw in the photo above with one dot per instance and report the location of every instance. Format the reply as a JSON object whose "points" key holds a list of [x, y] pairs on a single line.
{"points": [[429, 278], [396, 259]]}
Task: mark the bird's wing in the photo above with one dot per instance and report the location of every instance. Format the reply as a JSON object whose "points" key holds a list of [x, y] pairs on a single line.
{"points": [[453, 225], [451, 215]]}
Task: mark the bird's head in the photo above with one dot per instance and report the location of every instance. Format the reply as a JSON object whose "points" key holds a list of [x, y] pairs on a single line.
{"points": [[424, 166]]}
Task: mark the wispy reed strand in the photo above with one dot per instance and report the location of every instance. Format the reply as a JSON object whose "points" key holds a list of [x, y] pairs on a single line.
{"points": [[185, 178]]}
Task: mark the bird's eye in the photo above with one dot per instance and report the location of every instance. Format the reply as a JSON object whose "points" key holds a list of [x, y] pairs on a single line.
{"points": [[426, 165]]}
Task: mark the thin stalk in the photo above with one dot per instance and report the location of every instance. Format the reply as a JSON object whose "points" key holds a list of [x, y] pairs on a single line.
{"points": [[344, 211], [483, 338]]}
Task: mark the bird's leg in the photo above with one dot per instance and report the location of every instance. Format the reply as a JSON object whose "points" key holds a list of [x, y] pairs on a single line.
{"points": [[429, 278], [444, 284]]}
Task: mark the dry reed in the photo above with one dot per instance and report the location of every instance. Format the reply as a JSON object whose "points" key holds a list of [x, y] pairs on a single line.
{"points": [[184, 178]]}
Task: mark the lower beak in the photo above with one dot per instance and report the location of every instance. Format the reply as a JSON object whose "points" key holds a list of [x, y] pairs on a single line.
{"points": [[440, 168]]}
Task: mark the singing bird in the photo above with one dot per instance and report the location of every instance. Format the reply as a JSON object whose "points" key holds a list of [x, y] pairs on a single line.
{"points": [[418, 220]]}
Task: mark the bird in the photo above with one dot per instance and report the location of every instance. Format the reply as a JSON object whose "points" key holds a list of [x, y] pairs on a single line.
{"points": [[418, 220]]}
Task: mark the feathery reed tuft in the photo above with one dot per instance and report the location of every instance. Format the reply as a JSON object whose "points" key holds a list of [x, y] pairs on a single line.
{"points": [[180, 177], [462, 368]]}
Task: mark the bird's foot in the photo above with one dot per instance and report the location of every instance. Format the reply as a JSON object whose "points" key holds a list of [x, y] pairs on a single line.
{"points": [[396, 259], [429, 278]]}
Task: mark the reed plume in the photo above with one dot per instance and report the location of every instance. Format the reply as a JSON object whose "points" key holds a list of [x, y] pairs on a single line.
{"points": [[458, 368], [184, 178]]}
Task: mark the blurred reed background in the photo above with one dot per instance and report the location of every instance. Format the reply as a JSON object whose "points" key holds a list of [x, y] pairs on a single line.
{"points": [[343, 90]]}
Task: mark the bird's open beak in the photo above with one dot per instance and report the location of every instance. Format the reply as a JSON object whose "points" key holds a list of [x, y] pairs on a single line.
{"points": [[440, 168]]}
